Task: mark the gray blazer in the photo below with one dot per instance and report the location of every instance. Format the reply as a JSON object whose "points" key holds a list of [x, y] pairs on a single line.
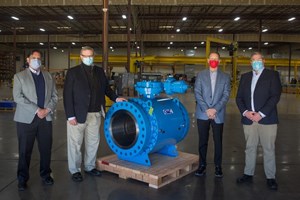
{"points": [[204, 98], [24, 93]]}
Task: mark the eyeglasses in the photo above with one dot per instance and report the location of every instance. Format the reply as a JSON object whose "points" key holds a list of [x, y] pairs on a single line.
{"points": [[256, 60], [87, 56]]}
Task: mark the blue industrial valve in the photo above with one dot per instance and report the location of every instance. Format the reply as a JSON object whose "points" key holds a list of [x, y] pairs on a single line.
{"points": [[141, 126]]}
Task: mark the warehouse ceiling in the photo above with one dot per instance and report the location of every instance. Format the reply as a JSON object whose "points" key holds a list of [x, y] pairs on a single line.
{"points": [[146, 19]]}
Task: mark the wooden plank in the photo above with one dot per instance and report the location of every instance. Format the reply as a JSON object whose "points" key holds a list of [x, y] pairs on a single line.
{"points": [[163, 171]]}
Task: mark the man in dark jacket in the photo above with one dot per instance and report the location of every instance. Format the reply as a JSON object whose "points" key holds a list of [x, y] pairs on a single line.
{"points": [[257, 97], [84, 100]]}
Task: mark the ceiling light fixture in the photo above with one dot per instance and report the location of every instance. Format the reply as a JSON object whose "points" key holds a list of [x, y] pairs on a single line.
{"points": [[264, 30], [220, 30], [181, 50], [111, 47], [138, 47], [41, 43], [15, 18], [250, 48], [266, 43], [70, 17], [41, 29], [124, 17], [177, 30], [244, 50], [73, 43], [237, 19], [54, 47], [166, 27], [62, 51], [202, 42], [171, 42], [223, 47], [112, 50], [169, 47], [184, 18], [195, 47], [291, 19]]}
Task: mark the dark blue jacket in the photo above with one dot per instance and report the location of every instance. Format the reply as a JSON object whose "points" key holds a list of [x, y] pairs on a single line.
{"points": [[266, 96], [77, 92]]}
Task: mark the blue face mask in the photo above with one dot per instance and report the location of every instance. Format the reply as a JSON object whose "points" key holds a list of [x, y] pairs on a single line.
{"points": [[35, 64], [88, 61], [257, 65]]}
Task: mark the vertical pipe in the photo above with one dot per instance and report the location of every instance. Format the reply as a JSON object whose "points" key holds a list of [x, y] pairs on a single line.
{"points": [[69, 54], [259, 35], [105, 38], [14, 52], [128, 35], [290, 59], [48, 54]]}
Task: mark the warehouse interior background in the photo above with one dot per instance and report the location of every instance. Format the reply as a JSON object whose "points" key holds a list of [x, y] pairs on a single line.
{"points": [[151, 39]]}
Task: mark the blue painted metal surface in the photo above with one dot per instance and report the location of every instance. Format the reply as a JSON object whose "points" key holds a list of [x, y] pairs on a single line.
{"points": [[149, 124]]}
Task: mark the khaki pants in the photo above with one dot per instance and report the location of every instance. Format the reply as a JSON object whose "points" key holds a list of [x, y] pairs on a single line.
{"points": [[266, 136], [89, 131]]}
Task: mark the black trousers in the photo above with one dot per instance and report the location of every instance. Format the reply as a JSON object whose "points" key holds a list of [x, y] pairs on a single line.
{"points": [[41, 130], [203, 131]]}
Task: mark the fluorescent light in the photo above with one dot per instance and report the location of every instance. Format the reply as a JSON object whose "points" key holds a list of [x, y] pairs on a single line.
{"points": [[177, 30], [169, 47], [54, 47], [264, 30], [41, 43], [124, 16], [184, 18], [250, 48], [237, 19], [70, 17], [166, 27], [291, 19], [73, 43], [220, 30], [266, 43], [195, 47], [41, 29], [171, 42], [15, 18]]}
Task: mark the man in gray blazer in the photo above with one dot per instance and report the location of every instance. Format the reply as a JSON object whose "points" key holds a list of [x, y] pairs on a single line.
{"points": [[212, 91], [36, 97]]}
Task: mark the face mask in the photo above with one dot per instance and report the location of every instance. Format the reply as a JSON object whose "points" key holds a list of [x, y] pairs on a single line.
{"points": [[213, 63], [88, 61], [35, 64], [257, 65]]}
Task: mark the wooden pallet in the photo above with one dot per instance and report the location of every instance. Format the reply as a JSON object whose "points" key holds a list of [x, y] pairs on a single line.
{"points": [[163, 171]]}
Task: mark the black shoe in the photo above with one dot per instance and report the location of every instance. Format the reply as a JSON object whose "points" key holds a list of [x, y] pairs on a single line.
{"points": [[272, 184], [77, 177], [200, 171], [218, 172], [94, 172], [22, 186], [48, 180], [244, 179]]}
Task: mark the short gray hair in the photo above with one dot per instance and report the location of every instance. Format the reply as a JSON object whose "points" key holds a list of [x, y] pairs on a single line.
{"points": [[87, 48], [257, 53]]}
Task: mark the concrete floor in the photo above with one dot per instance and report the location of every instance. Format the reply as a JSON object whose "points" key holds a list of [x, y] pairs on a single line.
{"points": [[109, 186]]}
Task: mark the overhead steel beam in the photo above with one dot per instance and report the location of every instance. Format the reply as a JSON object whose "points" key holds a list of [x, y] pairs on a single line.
{"points": [[151, 38], [145, 2]]}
